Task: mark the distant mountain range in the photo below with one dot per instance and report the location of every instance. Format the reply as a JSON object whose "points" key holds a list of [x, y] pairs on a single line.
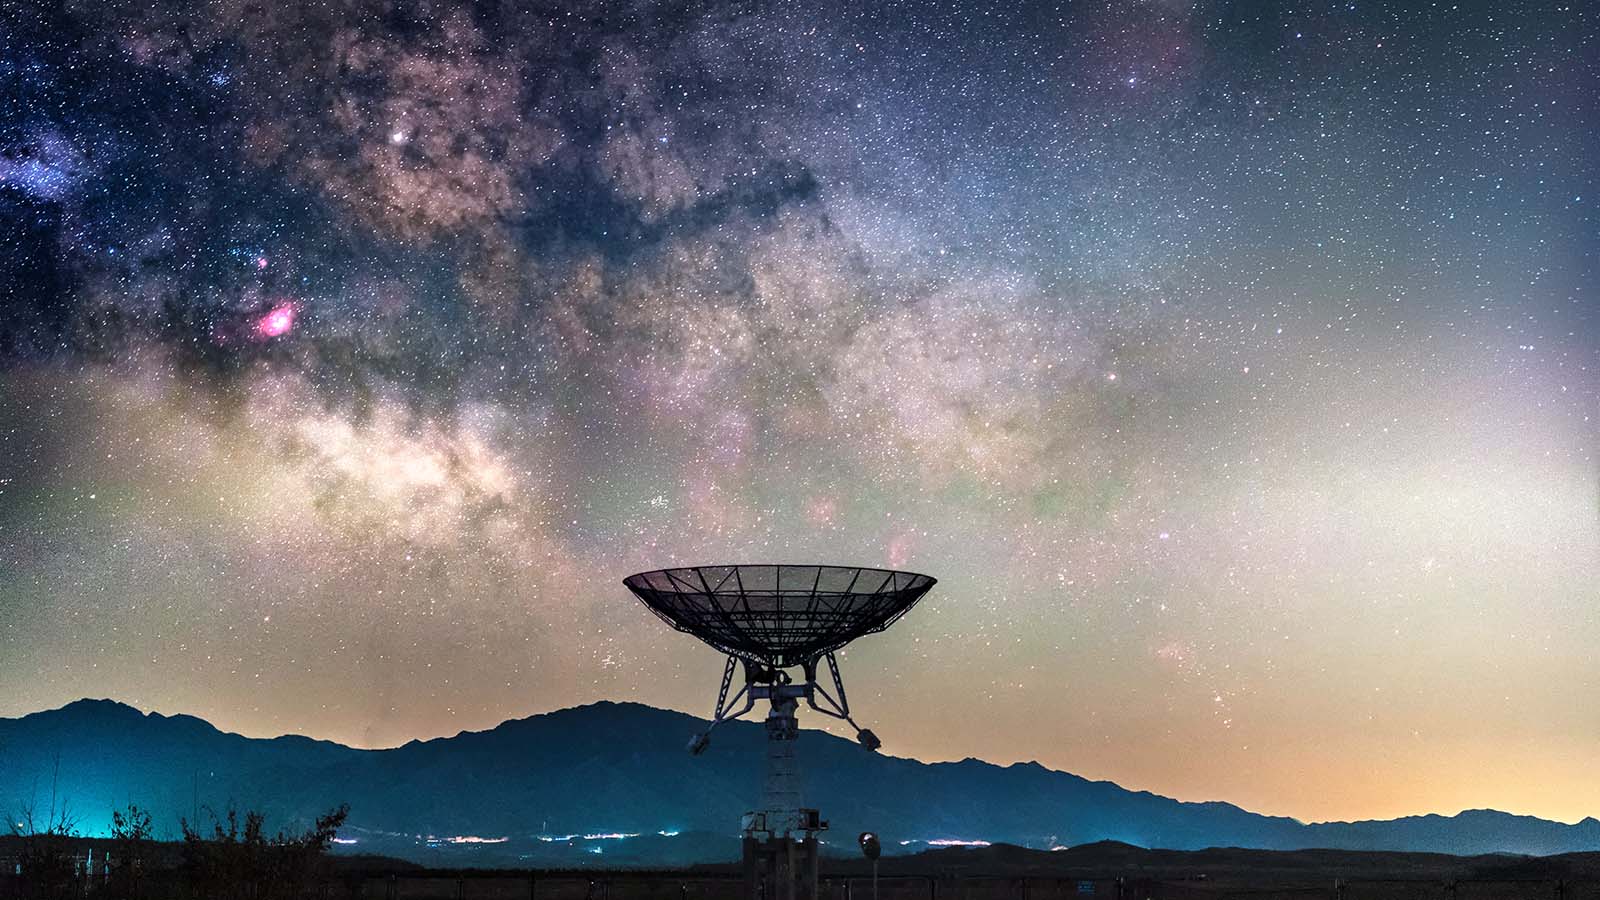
{"points": [[559, 788]]}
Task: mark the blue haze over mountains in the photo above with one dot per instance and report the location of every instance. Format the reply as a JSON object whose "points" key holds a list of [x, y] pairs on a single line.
{"points": [[621, 768]]}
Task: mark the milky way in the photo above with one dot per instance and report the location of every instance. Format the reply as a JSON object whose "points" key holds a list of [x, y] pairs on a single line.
{"points": [[1233, 366]]}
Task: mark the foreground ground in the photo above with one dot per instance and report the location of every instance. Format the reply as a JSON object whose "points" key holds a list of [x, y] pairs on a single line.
{"points": [[989, 873]]}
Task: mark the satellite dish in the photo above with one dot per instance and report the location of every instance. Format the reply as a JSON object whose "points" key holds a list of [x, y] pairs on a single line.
{"points": [[779, 616], [769, 618]]}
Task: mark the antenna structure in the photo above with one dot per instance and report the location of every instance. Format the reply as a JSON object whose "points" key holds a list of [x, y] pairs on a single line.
{"points": [[768, 619]]}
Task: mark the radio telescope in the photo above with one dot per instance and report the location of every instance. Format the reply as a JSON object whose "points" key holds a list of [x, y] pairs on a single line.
{"points": [[767, 619]]}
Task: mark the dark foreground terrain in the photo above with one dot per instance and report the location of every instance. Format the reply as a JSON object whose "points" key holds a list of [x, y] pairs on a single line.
{"points": [[1106, 869]]}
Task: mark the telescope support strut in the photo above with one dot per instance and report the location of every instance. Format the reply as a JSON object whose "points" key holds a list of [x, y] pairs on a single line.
{"points": [[699, 743]]}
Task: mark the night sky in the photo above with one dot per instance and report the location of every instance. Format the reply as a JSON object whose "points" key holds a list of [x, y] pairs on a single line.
{"points": [[1234, 366]]}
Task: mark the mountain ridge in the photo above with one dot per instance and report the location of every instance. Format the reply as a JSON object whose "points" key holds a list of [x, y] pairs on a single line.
{"points": [[619, 767]]}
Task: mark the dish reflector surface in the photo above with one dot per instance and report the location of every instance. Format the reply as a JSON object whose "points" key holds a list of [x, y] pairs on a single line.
{"points": [[780, 616]]}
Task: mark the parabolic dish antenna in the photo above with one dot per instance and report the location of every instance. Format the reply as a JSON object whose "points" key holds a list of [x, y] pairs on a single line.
{"points": [[769, 618], [779, 616]]}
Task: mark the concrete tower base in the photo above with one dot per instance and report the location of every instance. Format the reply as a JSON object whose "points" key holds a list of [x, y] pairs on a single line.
{"points": [[780, 868]]}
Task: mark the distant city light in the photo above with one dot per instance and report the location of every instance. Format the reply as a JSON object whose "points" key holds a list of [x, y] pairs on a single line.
{"points": [[597, 836], [474, 839], [343, 840], [667, 833]]}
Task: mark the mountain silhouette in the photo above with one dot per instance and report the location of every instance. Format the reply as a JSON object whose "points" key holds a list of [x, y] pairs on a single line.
{"points": [[621, 768]]}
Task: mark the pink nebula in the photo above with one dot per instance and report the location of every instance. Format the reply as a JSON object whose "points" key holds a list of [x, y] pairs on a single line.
{"points": [[898, 552], [821, 510], [277, 322]]}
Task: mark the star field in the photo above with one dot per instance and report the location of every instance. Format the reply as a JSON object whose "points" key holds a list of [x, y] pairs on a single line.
{"points": [[1232, 365]]}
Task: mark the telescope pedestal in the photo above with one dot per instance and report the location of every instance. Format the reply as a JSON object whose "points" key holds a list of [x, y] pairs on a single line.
{"points": [[780, 840]]}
